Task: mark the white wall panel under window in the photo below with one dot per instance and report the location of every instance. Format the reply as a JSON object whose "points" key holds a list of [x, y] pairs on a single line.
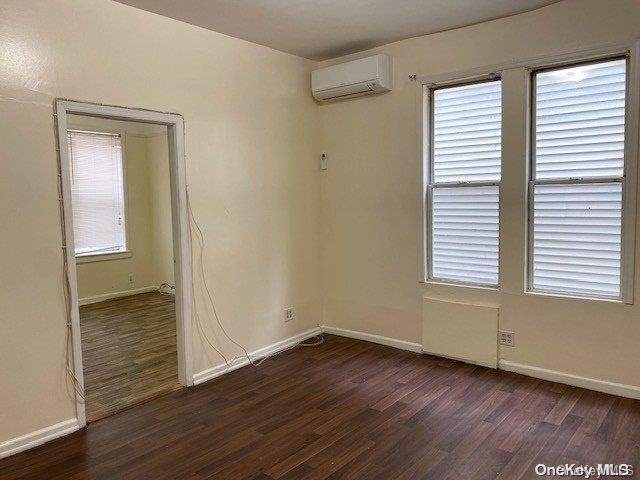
{"points": [[465, 234], [467, 132], [97, 192], [576, 241]]}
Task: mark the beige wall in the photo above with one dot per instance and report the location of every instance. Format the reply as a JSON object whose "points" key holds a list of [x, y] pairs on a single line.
{"points": [[370, 216], [160, 209], [148, 197], [251, 168]]}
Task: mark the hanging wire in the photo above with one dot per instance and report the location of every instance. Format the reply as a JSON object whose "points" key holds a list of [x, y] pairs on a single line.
{"points": [[70, 372], [68, 360], [210, 298]]}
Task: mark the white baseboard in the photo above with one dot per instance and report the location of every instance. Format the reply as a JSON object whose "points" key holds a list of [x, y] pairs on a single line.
{"points": [[108, 296], [44, 435], [369, 337], [52, 432], [604, 386], [33, 439], [272, 349], [167, 288]]}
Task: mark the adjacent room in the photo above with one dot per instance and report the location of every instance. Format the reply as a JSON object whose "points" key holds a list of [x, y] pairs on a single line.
{"points": [[381, 239], [123, 247]]}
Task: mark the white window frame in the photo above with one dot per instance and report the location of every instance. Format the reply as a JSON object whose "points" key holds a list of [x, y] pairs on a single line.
{"points": [[126, 253], [628, 179], [630, 163], [426, 134]]}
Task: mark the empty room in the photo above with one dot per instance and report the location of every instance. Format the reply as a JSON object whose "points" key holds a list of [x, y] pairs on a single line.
{"points": [[280, 240]]}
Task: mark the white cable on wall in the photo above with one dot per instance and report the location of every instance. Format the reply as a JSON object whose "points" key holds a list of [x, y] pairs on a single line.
{"points": [[66, 288], [70, 373], [201, 243]]}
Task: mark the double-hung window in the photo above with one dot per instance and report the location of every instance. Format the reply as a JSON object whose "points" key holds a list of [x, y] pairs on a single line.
{"points": [[464, 151], [577, 185], [97, 193]]}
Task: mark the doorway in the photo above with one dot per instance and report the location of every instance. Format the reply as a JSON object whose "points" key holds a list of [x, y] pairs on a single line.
{"points": [[127, 259]]}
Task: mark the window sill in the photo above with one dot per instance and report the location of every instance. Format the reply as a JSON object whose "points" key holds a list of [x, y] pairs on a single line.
{"points": [[567, 296], [493, 288], [101, 257]]}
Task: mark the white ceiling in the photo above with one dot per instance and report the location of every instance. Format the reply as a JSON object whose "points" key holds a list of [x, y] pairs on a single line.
{"points": [[321, 29]]}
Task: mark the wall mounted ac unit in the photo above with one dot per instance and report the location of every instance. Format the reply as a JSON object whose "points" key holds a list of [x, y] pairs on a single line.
{"points": [[351, 79]]}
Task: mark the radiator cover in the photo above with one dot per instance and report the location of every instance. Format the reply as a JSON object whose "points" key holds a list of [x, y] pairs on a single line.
{"points": [[461, 331]]}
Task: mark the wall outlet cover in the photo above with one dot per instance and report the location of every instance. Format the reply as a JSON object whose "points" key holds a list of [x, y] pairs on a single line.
{"points": [[506, 338], [289, 314]]}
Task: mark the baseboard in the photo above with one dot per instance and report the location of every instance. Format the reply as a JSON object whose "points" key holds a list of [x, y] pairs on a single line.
{"points": [[620, 389], [369, 337], [33, 439], [61, 429], [167, 288], [108, 296], [604, 386], [272, 349]]}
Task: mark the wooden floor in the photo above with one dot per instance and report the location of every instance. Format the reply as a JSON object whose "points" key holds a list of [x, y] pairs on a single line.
{"points": [[347, 409], [129, 351]]}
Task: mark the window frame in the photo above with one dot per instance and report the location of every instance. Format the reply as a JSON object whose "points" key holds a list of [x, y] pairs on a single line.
{"points": [[429, 174], [91, 257], [632, 133], [628, 217]]}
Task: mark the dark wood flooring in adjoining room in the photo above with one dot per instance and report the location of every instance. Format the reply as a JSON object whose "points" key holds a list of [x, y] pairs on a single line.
{"points": [[348, 409], [129, 351]]}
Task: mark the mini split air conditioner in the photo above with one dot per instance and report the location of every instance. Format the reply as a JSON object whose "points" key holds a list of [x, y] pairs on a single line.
{"points": [[351, 79]]}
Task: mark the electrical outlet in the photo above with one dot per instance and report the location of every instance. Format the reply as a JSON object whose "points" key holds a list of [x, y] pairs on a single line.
{"points": [[131, 278], [508, 339], [289, 314]]}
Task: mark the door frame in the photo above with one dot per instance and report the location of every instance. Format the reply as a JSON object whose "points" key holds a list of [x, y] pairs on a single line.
{"points": [[180, 227]]}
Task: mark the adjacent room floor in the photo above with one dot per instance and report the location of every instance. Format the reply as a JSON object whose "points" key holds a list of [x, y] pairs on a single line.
{"points": [[348, 409], [129, 351]]}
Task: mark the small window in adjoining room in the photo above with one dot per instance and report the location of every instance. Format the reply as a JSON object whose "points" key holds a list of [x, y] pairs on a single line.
{"points": [[577, 179], [98, 194], [463, 183]]}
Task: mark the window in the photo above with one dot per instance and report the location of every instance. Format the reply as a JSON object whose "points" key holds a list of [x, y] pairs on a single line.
{"points": [[97, 191], [577, 179], [464, 176]]}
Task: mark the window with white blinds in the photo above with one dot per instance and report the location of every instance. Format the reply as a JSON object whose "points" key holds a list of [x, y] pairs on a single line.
{"points": [[464, 183], [97, 192], [577, 183]]}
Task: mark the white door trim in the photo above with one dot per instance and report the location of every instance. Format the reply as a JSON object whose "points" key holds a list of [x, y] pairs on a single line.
{"points": [[180, 219]]}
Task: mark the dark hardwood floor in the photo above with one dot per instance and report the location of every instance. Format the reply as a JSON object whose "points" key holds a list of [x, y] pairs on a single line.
{"points": [[348, 409], [129, 351]]}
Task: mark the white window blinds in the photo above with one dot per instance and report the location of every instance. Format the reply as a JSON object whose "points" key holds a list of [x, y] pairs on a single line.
{"points": [[467, 133], [97, 191], [465, 171], [577, 238], [465, 234], [577, 179]]}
